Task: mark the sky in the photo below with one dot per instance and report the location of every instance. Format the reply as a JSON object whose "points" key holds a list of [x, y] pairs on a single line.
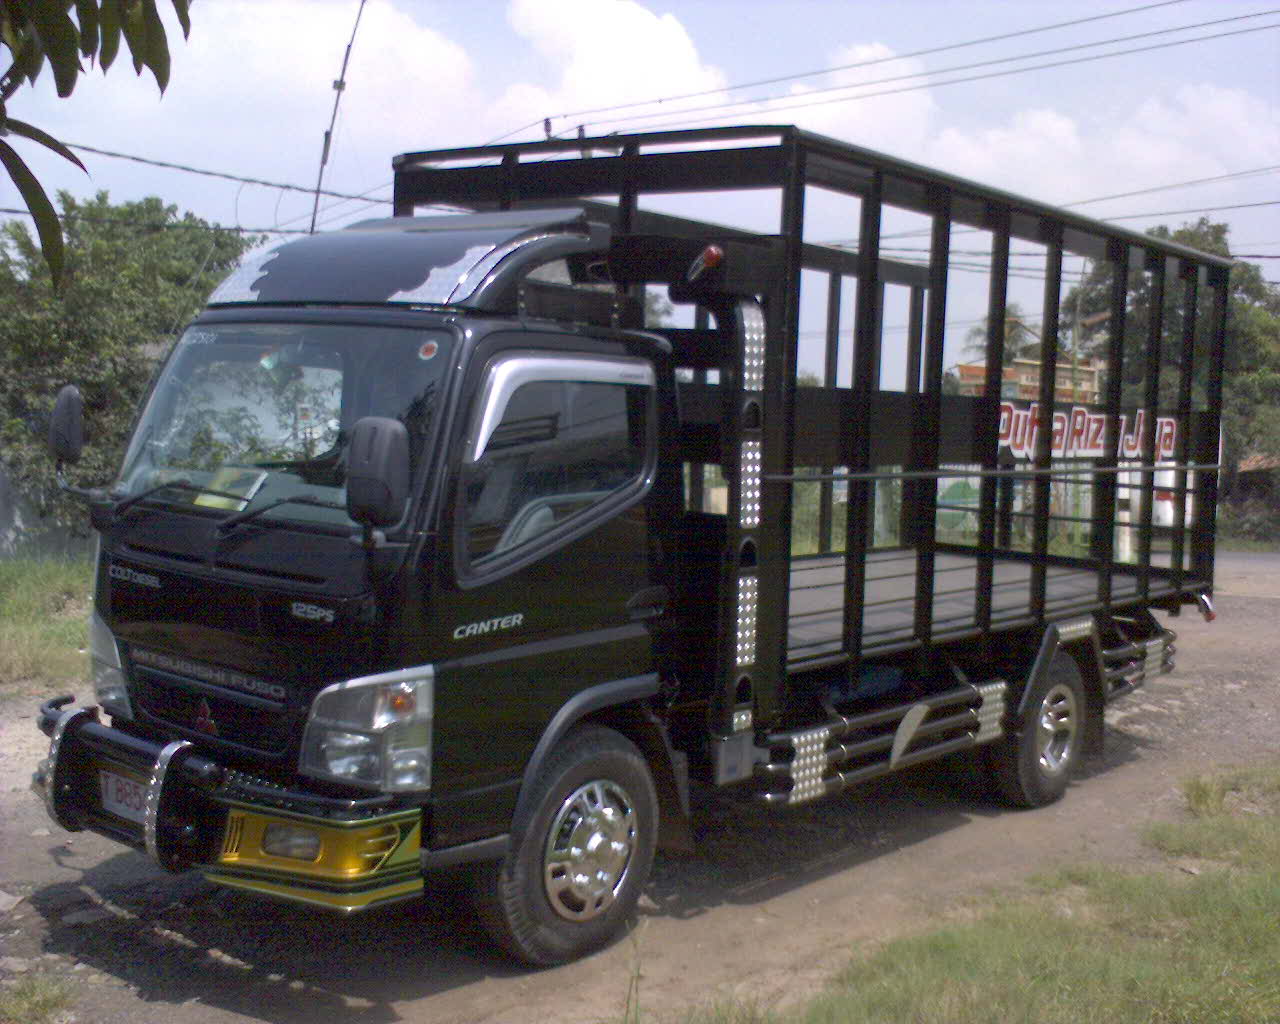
{"points": [[251, 94]]}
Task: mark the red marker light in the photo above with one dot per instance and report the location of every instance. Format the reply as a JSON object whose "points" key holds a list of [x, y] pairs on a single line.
{"points": [[710, 258]]}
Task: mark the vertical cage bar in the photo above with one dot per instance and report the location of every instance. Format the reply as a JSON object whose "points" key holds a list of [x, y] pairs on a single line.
{"points": [[915, 338], [1182, 450], [1105, 484], [997, 299], [510, 190], [826, 489], [928, 421], [866, 340], [1150, 399], [1207, 452], [698, 470], [1048, 394], [777, 435], [627, 193]]}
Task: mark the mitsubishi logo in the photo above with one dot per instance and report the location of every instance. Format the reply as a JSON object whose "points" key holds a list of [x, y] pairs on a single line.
{"points": [[204, 719]]}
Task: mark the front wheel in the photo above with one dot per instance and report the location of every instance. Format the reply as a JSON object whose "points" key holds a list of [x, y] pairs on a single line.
{"points": [[1032, 766], [581, 857]]}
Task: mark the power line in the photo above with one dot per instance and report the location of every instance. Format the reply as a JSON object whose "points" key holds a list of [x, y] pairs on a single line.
{"points": [[681, 120], [1180, 184], [959, 67], [916, 233], [1202, 209], [842, 67], [207, 173]]}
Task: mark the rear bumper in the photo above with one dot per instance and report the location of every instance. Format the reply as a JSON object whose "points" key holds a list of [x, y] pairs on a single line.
{"points": [[197, 813]]}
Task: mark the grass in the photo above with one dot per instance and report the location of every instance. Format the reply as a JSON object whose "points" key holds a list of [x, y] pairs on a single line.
{"points": [[1185, 943], [44, 608], [33, 999]]}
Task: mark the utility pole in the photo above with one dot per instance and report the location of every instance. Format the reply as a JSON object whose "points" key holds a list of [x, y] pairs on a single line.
{"points": [[338, 86]]}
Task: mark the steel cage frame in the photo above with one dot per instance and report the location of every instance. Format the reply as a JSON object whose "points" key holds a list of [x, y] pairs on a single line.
{"points": [[789, 160]]}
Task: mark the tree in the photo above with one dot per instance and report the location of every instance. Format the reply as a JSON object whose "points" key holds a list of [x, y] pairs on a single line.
{"points": [[1251, 373], [40, 31], [1020, 340], [134, 273]]}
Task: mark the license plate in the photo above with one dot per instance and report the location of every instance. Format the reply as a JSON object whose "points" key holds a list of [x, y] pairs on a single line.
{"points": [[123, 796]]}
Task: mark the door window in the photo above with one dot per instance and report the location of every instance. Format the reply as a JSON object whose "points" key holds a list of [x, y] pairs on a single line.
{"points": [[554, 452]]}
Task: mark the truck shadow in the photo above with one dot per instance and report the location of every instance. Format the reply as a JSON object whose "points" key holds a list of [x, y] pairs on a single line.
{"points": [[177, 940], [747, 853]]}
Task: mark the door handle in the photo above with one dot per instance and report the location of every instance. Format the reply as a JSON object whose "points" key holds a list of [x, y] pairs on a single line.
{"points": [[648, 603]]}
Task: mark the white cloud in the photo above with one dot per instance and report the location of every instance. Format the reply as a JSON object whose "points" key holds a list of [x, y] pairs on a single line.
{"points": [[251, 93], [897, 123], [601, 53]]}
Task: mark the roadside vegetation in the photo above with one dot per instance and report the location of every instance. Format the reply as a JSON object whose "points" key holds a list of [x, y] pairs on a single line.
{"points": [[33, 999], [44, 608], [1190, 941]]}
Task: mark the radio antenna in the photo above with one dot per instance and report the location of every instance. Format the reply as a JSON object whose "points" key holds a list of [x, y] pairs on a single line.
{"points": [[338, 86]]}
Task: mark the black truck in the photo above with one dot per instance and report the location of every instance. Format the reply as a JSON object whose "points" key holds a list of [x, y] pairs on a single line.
{"points": [[473, 538]]}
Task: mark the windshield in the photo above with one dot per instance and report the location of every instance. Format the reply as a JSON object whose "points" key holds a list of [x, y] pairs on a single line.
{"points": [[252, 413]]}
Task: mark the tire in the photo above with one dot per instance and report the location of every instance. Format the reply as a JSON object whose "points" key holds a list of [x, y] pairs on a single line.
{"points": [[1032, 766], [580, 857]]}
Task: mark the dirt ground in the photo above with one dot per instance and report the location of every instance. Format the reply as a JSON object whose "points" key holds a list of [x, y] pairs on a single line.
{"points": [[769, 907]]}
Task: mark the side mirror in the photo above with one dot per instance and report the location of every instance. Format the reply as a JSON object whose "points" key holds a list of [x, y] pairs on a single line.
{"points": [[66, 427], [377, 471]]}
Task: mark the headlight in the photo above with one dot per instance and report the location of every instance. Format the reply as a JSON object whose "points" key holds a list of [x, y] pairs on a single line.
{"points": [[109, 687], [374, 731]]}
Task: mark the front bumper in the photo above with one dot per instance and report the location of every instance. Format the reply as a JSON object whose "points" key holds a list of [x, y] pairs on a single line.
{"points": [[197, 813]]}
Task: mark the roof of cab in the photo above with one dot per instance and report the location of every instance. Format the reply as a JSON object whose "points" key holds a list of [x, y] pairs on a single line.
{"points": [[415, 260]]}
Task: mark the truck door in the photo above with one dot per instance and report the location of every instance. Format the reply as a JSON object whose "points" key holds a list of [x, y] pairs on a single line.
{"points": [[552, 588]]}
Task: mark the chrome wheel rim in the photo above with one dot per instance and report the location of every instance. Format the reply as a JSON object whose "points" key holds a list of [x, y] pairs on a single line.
{"points": [[588, 850], [1057, 729]]}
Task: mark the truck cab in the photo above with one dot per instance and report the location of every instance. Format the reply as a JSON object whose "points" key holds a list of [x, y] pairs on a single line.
{"points": [[356, 685]]}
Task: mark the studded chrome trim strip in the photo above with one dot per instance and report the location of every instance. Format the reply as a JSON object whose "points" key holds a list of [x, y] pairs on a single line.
{"points": [[991, 711], [752, 462], [809, 766], [1153, 661], [752, 345], [748, 602], [155, 790], [1074, 630]]}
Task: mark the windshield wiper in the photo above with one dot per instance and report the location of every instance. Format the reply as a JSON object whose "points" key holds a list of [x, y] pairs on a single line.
{"points": [[232, 521], [122, 507]]}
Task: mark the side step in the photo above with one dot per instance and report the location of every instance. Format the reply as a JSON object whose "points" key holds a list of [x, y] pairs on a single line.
{"points": [[1129, 665], [850, 749]]}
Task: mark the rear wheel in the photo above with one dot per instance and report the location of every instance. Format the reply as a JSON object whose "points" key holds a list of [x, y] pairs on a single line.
{"points": [[1032, 766], [583, 853]]}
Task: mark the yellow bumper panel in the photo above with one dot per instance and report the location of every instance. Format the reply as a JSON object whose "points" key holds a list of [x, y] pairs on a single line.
{"points": [[360, 863]]}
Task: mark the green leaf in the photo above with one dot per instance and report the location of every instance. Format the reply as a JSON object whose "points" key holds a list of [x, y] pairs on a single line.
{"points": [[60, 40], [109, 27], [42, 211], [157, 54], [182, 8], [30, 131], [132, 24], [29, 59], [87, 15]]}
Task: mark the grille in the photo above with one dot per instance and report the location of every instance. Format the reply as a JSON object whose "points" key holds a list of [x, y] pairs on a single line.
{"points": [[165, 698]]}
